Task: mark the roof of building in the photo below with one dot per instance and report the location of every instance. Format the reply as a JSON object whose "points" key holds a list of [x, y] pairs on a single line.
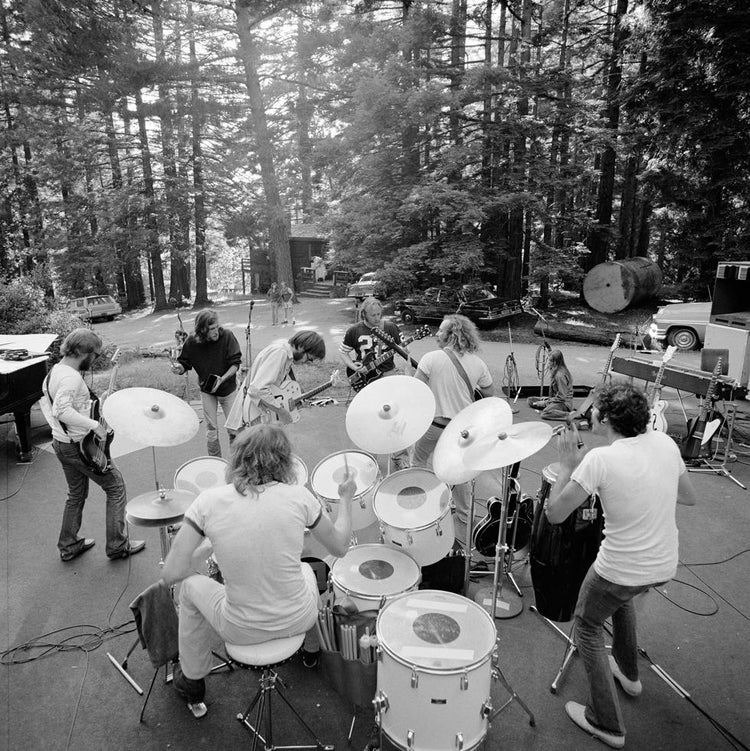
{"points": [[306, 231]]}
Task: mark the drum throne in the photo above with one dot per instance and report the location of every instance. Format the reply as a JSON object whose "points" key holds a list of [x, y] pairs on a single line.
{"points": [[265, 657]]}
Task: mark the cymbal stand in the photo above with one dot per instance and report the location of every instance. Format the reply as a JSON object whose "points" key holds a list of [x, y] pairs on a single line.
{"points": [[469, 537], [509, 603], [721, 469]]}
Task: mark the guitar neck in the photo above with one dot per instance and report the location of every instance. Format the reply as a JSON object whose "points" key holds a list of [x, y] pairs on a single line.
{"points": [[293, 403]]}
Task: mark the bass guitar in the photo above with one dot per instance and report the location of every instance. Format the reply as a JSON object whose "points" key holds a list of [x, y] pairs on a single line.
{"points": [[93, 449], [370, 371], [286, 398], [700, 430], [588, 402], [658, 405]]}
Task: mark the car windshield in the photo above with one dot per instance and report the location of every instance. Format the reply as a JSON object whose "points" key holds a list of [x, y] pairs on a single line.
{"points": [[478, 293]]}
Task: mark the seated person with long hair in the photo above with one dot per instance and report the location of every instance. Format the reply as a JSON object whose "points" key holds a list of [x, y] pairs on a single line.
{"points": [[256, 526], [559, 404]]}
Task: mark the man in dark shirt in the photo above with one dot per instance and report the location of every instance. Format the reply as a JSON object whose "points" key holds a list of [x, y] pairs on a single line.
{"points": [[215, 355]]}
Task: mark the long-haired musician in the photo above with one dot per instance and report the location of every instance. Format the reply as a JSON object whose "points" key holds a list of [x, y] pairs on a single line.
{"points": [[639, 477], [67, 408], [256, 527]]}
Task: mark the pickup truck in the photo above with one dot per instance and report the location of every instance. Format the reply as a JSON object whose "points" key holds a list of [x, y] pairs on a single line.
{"points": [[368, 285]]}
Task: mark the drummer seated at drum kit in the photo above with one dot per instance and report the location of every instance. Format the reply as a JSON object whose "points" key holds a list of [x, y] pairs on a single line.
{"points": [[256, 526], [639, 478]]}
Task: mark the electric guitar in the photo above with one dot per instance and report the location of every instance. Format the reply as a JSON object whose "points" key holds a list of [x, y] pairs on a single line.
{"points": [[93, 449], [658, 405], [588, 402], [180, 337], [700, 430], [286, 398], [358, 379]]}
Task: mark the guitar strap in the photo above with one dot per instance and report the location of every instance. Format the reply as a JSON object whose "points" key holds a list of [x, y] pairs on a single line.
{"points": [[461, 371]]}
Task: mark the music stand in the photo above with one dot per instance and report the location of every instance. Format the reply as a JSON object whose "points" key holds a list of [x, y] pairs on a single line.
{"points": [[721, 468]]}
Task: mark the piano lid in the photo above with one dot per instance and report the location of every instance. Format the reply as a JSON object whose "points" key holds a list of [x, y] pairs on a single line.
{"points": [[31, 342]]}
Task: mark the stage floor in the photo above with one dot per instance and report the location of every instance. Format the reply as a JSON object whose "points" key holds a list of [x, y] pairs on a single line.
{"points": [[697, 629]]}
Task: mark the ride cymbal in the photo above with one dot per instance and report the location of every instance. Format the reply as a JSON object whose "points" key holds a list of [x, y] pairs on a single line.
{"points": [[390, 414], [508, 445], [159, 507], [479, 420], [151, 417]]}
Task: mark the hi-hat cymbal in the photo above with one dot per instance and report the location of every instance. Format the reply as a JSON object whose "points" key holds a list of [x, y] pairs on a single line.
{"points": [[508, 445], [151, 417], [479, 420], [159, 507], [390, 414]]}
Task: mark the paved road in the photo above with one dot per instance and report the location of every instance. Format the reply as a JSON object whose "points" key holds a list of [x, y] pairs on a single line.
{"points": [[330, 317]]}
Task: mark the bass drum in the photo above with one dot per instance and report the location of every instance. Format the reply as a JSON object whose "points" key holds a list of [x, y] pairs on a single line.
{"points": [[435, 651], [561, 554]]}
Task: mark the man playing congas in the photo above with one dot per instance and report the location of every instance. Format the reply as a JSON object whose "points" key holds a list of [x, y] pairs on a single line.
{"points": [[639, 477]]}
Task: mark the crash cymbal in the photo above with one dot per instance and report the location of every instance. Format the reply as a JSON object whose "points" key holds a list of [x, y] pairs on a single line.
{"points": [[508, 445], [479, 420], [159, 507], [390, 414], [151, 417]]}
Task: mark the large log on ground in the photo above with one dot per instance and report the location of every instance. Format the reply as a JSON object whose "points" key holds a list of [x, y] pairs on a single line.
{"points": [[615, 285], [570, 332]]}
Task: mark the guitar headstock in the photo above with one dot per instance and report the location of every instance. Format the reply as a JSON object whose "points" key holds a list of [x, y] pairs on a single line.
{"points": [[616, 342], [338, 380], [669, 354], [116, 356], [421, 333], [380, 334]]}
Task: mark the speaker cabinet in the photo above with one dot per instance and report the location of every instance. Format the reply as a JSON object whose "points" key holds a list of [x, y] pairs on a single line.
{"points": [[731, 300]]}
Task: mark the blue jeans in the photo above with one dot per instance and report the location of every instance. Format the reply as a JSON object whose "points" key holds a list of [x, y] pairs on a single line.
{"points": [[77, 475], [598, 600], [211, 404]]}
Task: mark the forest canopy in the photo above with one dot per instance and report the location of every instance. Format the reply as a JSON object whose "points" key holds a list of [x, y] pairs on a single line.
{"points": [[149, 144]]}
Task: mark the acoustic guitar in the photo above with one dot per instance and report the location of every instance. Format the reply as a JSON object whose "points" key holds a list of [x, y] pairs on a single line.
{"points": [[93, 449], [658, 419], [371, 371], [588, 402], [700, 430], [287, 398]]}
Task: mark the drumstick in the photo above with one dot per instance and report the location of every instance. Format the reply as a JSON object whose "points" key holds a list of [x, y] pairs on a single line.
{"points": [[346, 465]]}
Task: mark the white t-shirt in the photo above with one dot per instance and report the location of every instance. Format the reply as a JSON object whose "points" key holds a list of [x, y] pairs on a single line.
{"points": [[70, 402], [257, 541], [636, 480], [449, 388]]}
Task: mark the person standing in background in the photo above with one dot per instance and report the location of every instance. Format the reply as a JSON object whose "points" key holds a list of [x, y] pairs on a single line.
{"points": [[287, 298], [274, 297], [215, 354]]}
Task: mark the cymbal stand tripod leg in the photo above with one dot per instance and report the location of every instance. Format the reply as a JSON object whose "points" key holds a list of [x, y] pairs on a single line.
{"points": [[468, 546], [570, 649], [498, 675]]}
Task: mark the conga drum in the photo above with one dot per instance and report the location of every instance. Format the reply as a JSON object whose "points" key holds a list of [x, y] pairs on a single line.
{"points": [[434, 673], [561, 554]]}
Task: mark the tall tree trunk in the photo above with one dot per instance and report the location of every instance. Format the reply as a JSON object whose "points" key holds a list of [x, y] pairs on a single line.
{"points": [[600, 233], [152, 229], [199, 199], [628, 227], [304, 111], [456, 76], [278, 232]]}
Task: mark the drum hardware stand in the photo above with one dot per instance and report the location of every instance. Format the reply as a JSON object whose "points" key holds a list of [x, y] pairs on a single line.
{"points": [[497, 674], [721, 468], [510, 606], [570, 648], [469, 536]]}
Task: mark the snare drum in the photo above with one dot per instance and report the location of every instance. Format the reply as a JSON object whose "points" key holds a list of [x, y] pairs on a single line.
{"points": [[370, 575], [414, 509], [561, 554], [201, 474], [329, 474], [435, 651]]}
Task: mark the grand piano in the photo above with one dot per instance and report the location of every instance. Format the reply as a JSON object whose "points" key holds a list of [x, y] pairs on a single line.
{"points": [[21, 384]]}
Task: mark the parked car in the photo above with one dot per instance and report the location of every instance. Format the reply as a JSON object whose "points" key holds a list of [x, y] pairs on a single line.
{"points": [[682, 325], [95, 307], [368, 285], [474, 301]]}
